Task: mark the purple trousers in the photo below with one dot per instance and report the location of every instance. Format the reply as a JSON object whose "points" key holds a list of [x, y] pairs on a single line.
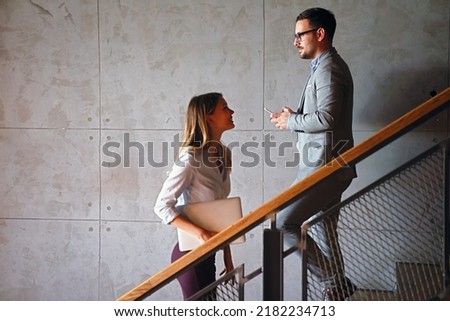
{"points": [[196, 278]]}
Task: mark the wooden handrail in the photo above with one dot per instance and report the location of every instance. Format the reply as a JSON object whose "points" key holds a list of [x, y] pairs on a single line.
{"points": [[260, 214]]}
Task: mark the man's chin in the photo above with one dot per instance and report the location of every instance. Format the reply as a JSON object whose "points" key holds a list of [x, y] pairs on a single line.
{"points": [[302, 55]]}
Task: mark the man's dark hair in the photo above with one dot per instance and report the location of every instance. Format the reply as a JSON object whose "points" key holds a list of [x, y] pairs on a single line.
{"points": [[320, 18]]}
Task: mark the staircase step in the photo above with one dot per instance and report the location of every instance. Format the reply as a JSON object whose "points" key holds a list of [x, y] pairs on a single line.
{"points": [[418, 281], [373, 295]]}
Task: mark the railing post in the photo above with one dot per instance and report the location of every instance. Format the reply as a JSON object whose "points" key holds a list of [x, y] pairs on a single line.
{"points": [[273, 264], [447, 216], [304, 263]]}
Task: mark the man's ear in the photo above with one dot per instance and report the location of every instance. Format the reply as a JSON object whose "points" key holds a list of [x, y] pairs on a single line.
{"points": [[321, 34]]}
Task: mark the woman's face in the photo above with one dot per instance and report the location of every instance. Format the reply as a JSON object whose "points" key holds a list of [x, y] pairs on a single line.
{"points": [[222, 118]]}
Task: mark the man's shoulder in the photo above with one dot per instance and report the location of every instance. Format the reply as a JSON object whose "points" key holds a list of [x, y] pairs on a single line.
{"points": [[331, 57], [332, 62]]}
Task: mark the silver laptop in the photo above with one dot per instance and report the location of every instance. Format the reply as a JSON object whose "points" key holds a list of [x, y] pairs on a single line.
{"points": [[212, 216]]}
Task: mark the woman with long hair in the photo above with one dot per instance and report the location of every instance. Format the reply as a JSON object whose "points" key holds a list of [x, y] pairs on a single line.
{"points": [[200, 174]]}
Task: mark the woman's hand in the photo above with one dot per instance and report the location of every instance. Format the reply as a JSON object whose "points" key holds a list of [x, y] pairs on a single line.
{"points": [[204, 235], [186, 225]]}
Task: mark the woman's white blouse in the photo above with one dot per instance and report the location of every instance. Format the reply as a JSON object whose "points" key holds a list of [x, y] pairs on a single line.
{"points": [[192, 179]]}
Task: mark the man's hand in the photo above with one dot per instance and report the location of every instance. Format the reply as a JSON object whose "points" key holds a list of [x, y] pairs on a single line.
{"points": [[280, 119]]}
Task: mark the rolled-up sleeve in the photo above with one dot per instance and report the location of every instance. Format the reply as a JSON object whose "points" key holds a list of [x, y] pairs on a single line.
{"points": [[178, 180]]}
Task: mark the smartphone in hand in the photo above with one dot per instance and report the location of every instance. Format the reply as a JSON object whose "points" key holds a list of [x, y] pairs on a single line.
{"points": [[268, 110]]}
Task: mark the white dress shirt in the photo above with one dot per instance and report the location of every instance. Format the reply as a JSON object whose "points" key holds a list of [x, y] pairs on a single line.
{"points": [[193, 178]]}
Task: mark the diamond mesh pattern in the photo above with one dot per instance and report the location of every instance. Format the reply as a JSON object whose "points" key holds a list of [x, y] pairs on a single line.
{"points": [[227, 288], [392, 235]]}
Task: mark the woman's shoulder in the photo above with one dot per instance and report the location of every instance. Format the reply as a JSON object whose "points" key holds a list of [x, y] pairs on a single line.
{"points": [[189, 157]]}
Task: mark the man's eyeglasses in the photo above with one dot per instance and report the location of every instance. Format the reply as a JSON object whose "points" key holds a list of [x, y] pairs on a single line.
{"points": [[299, 35]]}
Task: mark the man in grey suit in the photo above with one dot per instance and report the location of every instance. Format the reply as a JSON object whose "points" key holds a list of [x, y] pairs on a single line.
{"points": [[323, 123]]}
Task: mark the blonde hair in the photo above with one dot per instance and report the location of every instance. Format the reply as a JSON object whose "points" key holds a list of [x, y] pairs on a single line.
{"points": [[197, 133]]}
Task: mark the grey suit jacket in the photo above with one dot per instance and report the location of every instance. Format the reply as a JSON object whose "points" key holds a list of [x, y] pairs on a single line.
{"points": [[323, 121]]}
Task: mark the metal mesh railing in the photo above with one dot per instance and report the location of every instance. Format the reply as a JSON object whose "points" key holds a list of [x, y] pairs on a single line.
{"points": [[230, 287], [392, 235]]}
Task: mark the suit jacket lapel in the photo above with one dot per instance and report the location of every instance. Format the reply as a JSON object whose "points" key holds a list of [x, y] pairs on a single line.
{"points": [[302, 98]]}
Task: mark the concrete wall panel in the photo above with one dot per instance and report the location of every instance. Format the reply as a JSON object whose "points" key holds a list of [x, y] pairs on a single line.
{"points": [[49, 173], [49, 260], [49, 64], [81, 76], [155, 55]]}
